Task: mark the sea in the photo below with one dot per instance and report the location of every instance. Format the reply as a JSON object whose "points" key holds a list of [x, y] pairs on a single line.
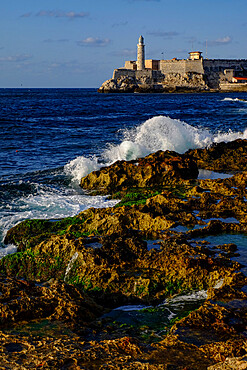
{"points": [[50, 138]]}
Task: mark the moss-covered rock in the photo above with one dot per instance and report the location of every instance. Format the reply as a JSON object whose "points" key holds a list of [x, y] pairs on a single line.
{"points": [[28, 233]]}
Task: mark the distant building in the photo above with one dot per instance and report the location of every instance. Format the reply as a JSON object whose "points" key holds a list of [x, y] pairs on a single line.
{"points": [[140, 54], [130, 64], [195, 72], [152, 64], [239, 79], [227, 70], [195, 55]]}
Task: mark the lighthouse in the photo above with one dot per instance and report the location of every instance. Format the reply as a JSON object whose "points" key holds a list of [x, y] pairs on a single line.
{"points": [[140, 54]]}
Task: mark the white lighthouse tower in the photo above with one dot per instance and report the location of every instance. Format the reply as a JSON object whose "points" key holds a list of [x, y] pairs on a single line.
{"points": [[140, 54]]}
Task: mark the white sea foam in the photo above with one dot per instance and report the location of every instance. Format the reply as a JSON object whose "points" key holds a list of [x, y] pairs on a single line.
{"points": [[11, 248], [235, 99], [157, 133], [212, 175], [129, 308], [229, 136], [49, 203], [70, 265], [219, 284], [81, 166], [193, 296]]}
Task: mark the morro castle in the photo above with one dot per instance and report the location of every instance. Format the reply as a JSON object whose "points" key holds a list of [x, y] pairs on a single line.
{"points": [[194, 74]]}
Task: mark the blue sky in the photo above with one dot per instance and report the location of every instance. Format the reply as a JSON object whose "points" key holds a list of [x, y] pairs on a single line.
{"points": [[78, 43]]}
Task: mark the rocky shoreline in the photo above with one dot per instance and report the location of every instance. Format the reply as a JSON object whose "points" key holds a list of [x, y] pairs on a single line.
{"points": [[58, 291], [174, 83]]}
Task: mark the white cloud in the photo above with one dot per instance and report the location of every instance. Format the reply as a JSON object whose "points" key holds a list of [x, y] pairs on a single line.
{"points": [[70, 66], [61, 14], [119, 24], [26, 15], [94, 41], [166, 34], [56, 14], [51, 40], [220, 41], [144, 0], [125, 53], [16, 58]]}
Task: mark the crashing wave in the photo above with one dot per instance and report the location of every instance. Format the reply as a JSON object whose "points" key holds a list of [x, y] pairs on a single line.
{"points": [[157, 133]]}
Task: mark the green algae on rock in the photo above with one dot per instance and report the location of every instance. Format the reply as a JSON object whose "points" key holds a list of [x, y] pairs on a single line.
{"points": [[104, 259]]}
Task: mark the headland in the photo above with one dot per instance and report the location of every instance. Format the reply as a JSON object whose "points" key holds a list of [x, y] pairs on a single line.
{"points": [[195, 74]]}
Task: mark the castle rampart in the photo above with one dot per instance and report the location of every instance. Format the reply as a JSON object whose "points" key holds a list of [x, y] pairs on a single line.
{"points": [[217, 65], [181, 66], [139, 75]]}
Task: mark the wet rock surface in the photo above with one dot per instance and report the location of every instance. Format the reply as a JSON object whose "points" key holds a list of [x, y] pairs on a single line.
{"points": [[222, 156], [58, 290], [158, 169], [22, 300], [238, 363]]}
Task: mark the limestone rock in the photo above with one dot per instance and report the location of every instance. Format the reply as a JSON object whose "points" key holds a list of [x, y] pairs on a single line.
{"points": [[123, 84], [68, 272], [193, 81], [186, 82], [54, 300], [217, 321], [231, 156], [235, 363], [158, 169]]}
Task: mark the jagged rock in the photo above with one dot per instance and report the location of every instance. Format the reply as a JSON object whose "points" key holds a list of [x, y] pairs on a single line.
{"points": [[215, 227], [123, 84], [158, 169], [121, 265], [24, 301], [222, 156], [186, 82], [102, 254], [193, 81], [235, 363], [215, 321], [46, 248], [72, 352]]}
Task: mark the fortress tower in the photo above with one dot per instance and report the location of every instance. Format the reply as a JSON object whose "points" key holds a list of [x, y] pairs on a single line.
{"points": [[140, 54]]}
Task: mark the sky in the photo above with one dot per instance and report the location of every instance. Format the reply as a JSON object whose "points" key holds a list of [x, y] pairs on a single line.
{"points": [[78, 43]]}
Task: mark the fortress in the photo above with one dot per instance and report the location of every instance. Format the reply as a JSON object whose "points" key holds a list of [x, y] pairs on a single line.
{"points": [[194, 74]]}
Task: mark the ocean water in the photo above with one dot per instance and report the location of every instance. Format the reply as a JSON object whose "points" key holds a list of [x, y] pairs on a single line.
{"points": [[50, 138]]}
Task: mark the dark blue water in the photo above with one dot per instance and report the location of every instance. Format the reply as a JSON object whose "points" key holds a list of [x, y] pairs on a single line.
{"points": [[46, 128], [49, 138]]}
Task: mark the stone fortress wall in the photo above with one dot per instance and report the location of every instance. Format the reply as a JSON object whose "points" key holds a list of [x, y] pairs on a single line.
{"points": [[181, 66], [148, 73], [220, 73], [239, 65]]}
